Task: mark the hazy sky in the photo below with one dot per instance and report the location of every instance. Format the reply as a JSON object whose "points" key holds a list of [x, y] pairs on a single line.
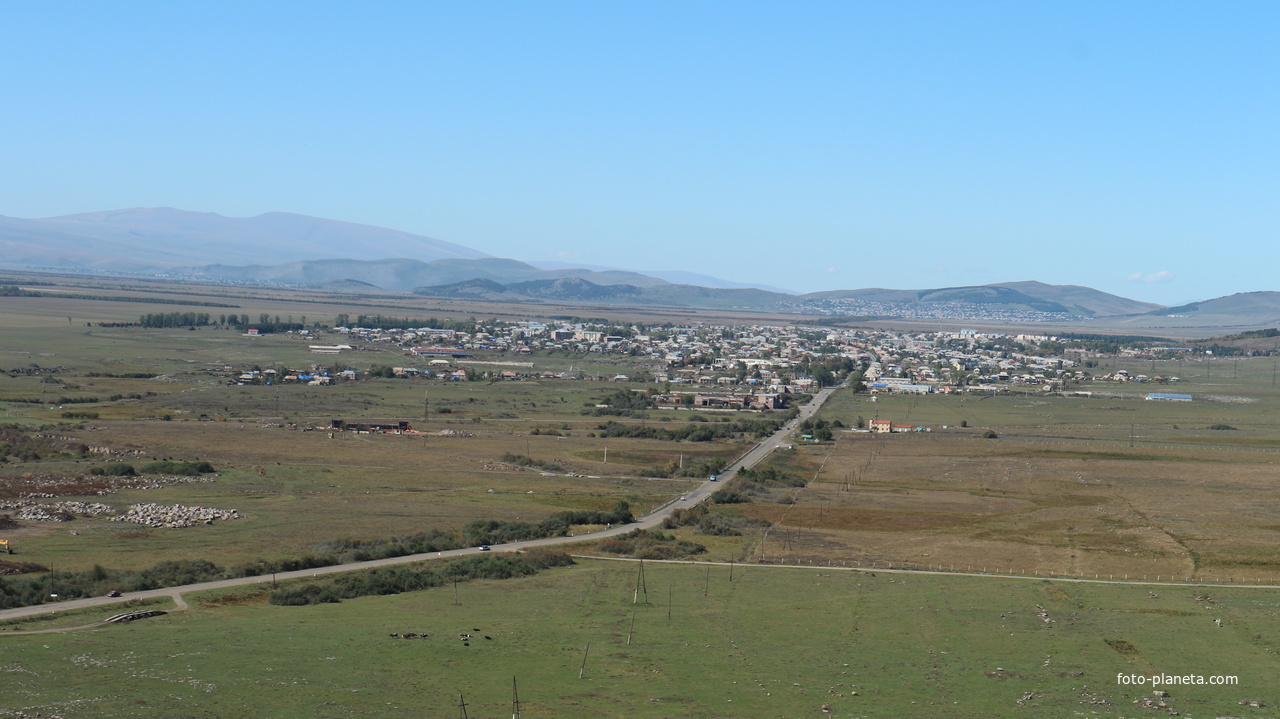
{"points": [[1129, 146]]}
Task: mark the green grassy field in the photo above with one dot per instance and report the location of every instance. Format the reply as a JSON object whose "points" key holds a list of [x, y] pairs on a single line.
{"points": [[773, 642], [295, 488], [1103, 485]]}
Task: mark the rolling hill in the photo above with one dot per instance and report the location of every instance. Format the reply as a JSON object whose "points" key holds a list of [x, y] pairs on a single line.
{"points": [[1024, 296], [162, 239], [287, 249], [403, 275]]}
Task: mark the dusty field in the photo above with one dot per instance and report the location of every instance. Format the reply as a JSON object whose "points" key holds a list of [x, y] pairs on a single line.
{"points": [[951, 499], [297, 489]]}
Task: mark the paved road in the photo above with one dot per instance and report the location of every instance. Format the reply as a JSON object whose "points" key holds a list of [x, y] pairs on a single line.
{"points": [[653, 519]]}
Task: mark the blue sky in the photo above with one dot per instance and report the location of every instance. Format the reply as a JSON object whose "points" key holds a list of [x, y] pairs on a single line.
{"points": [[1131, 147]]}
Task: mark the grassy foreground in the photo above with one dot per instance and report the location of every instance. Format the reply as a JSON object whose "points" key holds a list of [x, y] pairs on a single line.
{"points": [[773, 642]]}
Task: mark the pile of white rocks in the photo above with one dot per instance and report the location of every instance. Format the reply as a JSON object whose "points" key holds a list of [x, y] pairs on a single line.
{"points": [[158, 482], [173, 516], [54, 511]]}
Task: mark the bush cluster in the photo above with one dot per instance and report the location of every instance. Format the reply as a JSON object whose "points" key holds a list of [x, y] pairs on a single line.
{"points": [[172, 467], [711, 523], [27, 444], [160, 467], [521, 460], [24, 590], [472, 535], [394, 580], [650, 544], [702, 432], [758, 485]]}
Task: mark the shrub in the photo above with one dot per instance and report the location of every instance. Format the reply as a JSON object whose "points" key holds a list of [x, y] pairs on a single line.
{"points": [[114, 470], [650, 544], [393, 580], [726, 495], [303, 595], [171, 467], [521, 460]]}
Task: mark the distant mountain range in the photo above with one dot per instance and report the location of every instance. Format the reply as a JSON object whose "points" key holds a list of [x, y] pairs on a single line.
{"points": [[1032, 299], [161, 239], [679, 277], [286, 249], [276, 247], [403, 275], [1244, 308], [581, 290]]}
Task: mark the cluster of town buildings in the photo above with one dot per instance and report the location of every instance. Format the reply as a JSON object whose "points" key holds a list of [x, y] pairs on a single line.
{"points": [[728, 367]]}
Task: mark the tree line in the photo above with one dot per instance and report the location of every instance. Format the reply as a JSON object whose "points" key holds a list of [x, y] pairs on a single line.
{"points": [[266, 323], [699, 432], [28, 589], [395, 580], [379, 322]]}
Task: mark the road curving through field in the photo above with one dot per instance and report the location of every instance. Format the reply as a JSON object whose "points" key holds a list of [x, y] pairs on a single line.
{"points": [[655, 518]]}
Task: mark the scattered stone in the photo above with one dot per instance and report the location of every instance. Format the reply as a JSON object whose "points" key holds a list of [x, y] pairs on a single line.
{"points": [[174, 516], [32, 511], [1155, 702]]}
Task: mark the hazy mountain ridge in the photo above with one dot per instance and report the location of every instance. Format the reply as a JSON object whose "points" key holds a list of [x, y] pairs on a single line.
{"points": [[288, 249], [1246, 302], [577, 289], [403, 274], [275, 247], [160, 239], [677, 277], [998, 297], [1029, 295]]}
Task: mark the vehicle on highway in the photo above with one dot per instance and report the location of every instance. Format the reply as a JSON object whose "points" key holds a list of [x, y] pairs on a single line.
{"points": [[114, 593], [713, 478], [483, 547]]}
